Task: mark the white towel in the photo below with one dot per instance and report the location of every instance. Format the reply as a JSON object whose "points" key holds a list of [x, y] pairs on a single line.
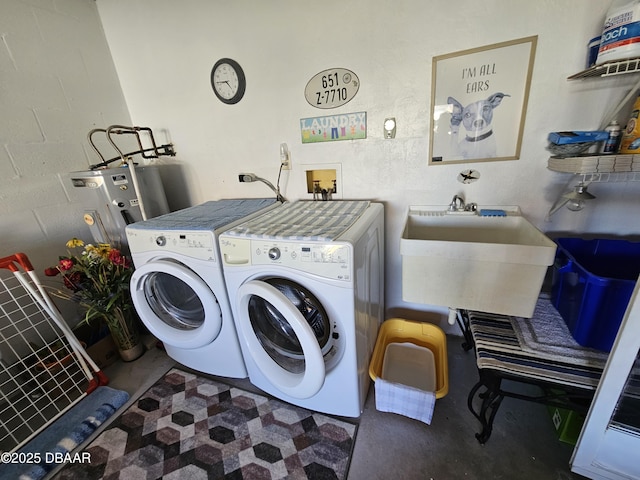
{"points": [[404, 400]]}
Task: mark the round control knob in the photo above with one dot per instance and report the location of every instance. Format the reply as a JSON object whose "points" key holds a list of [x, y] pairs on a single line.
{"points": [[274, 253], [161, 241]]}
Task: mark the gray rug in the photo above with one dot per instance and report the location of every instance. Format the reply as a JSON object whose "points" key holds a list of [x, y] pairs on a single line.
{"points": [[547, 334], [191, 427]]}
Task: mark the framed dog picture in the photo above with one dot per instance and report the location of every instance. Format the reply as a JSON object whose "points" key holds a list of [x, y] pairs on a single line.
{"points": [[479, 102]]}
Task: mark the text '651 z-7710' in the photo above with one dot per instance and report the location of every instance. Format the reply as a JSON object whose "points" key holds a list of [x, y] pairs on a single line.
{"points": [[332, 88]]}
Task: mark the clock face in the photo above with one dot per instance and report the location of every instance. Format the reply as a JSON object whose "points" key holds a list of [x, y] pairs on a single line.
{"points": [[228, 81]]}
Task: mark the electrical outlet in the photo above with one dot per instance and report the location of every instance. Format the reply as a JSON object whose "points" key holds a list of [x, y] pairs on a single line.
{"points": [[285, 157]]}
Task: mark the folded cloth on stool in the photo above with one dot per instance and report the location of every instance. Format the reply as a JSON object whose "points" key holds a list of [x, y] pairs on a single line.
{"points": [[404, 400]]}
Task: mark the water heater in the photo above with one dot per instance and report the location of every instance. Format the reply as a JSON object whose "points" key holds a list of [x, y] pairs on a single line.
{"points": [[115, 197]]}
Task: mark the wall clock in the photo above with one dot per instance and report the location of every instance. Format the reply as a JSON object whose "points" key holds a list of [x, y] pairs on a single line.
{"points": [[228, 81]]}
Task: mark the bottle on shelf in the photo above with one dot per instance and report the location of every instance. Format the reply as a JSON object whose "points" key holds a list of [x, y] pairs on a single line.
{"points": [[611, 144]]}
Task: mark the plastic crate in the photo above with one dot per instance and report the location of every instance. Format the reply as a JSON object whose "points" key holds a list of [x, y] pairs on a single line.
{"points": [[591, 287], [397, 330]]}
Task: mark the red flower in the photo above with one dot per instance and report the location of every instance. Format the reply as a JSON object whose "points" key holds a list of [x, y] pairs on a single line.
{"points": [[51, 271], [72, 281], [66, 264], [116, 257]]}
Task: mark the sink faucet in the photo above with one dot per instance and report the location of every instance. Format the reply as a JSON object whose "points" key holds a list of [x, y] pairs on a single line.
{"points": [[457, 204]]}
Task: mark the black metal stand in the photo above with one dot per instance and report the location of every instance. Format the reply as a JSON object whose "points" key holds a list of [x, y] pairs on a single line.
{"points": [[486, 396], [490, 392], [463, 322], [491, 398]]}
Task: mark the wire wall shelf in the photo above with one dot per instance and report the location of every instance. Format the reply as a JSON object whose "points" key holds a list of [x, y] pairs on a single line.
{"points": [[621, 67], [610, 177], [603, 168]]}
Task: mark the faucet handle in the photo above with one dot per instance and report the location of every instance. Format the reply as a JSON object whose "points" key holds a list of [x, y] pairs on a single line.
{"points": [[457, 200]]}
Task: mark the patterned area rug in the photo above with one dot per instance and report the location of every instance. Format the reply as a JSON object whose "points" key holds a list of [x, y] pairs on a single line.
{"points": [[189, 427]]}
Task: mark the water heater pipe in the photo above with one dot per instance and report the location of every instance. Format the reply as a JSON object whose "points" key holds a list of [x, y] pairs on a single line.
{"points": [[132, 168]]}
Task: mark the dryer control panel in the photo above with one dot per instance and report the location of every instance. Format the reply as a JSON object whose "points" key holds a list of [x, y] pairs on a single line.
{"points": [[329, 260]]}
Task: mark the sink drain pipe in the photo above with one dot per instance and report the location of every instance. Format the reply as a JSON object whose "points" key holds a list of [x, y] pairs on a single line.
{"points": [[453, 315]]}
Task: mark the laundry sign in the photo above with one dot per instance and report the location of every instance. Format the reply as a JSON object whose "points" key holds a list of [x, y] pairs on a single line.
{"points": [[331, 128]]}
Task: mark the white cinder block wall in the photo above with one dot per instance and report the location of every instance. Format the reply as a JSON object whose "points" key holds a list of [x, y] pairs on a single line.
{"points": [[58, 82]]}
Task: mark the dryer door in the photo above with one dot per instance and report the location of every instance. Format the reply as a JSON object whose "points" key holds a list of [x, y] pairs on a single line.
{"points": [[175, 304], [287, 332]]}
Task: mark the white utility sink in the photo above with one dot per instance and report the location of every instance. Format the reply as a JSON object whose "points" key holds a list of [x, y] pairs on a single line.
{"points": [[463, 260]]}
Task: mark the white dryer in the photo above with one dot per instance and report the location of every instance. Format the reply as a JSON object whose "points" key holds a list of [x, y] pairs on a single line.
{"points": [[306, 285], [178, 287]]}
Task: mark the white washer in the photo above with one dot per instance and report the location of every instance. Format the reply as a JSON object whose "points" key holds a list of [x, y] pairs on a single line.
{"points": [[306, 285], [178, 286]]}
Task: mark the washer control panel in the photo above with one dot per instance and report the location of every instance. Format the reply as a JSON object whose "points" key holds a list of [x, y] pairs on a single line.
{"points": [[330, 260]]}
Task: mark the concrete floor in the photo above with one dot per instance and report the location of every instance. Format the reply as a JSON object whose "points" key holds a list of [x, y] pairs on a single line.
{"points": [[523, 445]]}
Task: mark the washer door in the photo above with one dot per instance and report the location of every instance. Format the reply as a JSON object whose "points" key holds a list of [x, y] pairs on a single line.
{"points": [[175, 304], [287, 332]]}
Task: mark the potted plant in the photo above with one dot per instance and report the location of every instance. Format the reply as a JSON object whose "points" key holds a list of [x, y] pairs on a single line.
{"points": [[97, 277]]}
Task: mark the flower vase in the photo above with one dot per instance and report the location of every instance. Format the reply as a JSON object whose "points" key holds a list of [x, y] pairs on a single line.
{"points": [[125, 334]]}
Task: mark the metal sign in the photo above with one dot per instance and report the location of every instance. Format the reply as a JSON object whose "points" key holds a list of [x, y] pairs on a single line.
{"points": [[332, 88]]}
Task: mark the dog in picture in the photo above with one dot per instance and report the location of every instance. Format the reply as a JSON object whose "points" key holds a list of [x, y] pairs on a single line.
{"points": [[479, 140]]}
